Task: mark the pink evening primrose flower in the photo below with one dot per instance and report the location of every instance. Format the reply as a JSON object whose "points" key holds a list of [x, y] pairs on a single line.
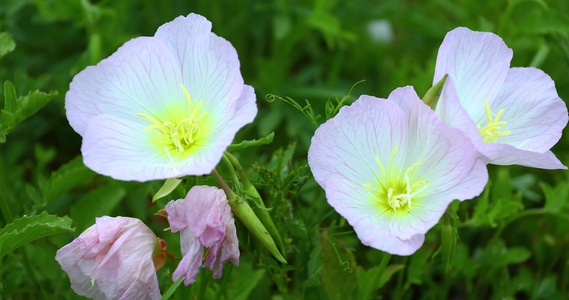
{"points": [[163, 106], [511, 115], [204, 219], [391, 167], [112, 260]]}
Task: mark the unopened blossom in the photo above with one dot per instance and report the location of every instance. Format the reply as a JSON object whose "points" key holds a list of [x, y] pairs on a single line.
{"points": [[112, 259], [511, 115], [163, 106], [391, 167], [203, 219]]}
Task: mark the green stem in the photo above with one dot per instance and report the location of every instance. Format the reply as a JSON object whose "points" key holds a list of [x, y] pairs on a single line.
{"points": [[383, 265], [204, 282], [230, 168], [172, 288]]}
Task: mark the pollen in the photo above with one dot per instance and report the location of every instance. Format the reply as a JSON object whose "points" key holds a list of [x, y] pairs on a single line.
{"points": [[178, 136], [491, 131], [396, 190]]}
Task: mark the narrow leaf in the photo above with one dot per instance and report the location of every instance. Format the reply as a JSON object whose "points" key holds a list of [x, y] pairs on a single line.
{"points": [[169, 186], [252, 143], [28, 229], [172, 288]]}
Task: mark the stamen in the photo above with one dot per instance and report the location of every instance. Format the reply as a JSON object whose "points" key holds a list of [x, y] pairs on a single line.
{"points": [[393, 156], [396, 188], [491, 131], [179, 135]]}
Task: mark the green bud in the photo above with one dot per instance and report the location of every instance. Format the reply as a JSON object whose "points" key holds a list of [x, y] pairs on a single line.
{"points": [[243, 211], [431, 97]]}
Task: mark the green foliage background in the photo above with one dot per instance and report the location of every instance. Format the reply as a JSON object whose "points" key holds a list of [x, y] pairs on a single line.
{"points": [[508, 243]]}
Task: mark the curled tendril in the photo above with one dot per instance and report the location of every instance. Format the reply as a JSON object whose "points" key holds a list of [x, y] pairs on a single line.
{"points": [[343, 263], [347, 268], [272, 97]]}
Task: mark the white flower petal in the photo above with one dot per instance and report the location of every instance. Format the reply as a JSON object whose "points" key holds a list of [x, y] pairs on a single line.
{"points": [[504, 154], [477, 62], [123, 150], [348, 144], [534, 113], [210, 66], [371, 226], [451, 112], [142, 76]]}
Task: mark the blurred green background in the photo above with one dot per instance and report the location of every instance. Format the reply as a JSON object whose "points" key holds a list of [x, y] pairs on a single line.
{"points": [[511, 241]]}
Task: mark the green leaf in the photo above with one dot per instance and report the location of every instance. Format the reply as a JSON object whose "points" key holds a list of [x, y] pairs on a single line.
{"points": [[94, 204], [548, 22], [28, 229], [555, 198], [503, 185], [314, 267], [9, 120], [9, 97], [7, 43], [388, 273], [169, 185], [546, 288], [375, 278], [31, 103], [517, 255], [242, 281], [418, 265], [503, 204], [65, 178], [252, 143]]}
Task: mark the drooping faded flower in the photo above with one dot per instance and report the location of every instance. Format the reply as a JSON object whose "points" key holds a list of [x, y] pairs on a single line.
{"points": [[511, 115], [162, 106], [204, 219], [112, 259], [391, 167]]}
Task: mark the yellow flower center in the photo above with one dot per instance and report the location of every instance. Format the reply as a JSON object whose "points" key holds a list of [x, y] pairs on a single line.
{"points": [[491, 131], [180, 135], [396, 190]]}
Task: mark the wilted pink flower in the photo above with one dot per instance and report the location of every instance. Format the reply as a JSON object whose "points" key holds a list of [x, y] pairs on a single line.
{"points": [[204, 220], [511, 115], [391, 167], [163, 106], [112, 260]]}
